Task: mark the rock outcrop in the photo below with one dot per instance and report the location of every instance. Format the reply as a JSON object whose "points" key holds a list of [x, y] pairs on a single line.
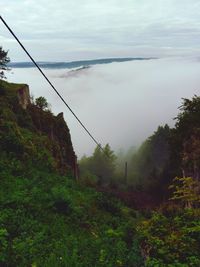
{"points": [[58, 132], [24, 96]]}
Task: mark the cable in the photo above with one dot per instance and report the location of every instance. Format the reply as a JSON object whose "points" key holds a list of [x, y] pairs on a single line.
{"points": [[50, 83]]}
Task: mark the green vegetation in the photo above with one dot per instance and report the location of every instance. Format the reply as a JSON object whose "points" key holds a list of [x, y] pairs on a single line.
{"points": [[47, 218], [170, 235], [4, 60], [186, 191], [149, 170], [41, 102], [171, 240], [168, 153], [100, 167], [148, 167], [50, 220]]}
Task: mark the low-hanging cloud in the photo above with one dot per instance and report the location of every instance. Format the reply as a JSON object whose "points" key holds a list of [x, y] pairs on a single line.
{"points": [[120, 103]]}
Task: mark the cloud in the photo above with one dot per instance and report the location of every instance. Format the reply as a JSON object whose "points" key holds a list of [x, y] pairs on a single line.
{"points": [[120, 103]]}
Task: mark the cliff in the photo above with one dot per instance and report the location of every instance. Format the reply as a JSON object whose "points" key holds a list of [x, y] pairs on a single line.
{"points": [[37, 135], [58, 133]]}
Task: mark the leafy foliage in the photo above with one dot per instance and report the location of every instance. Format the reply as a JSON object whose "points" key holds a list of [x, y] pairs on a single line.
{"points": [[4, 60], [100, 165], [186, 191], [50, 220], [188, 118], [150, 164], [42, 103], [171, 241], [185, 142]]}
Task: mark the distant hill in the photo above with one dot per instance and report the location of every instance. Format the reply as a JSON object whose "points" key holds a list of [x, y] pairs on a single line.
{"points": [[73, 64]]}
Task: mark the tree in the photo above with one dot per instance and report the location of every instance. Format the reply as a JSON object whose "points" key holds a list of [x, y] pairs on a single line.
{"points": [[4, 60], [104, 164], [191, 155], [101, 164], [188, 118], [42, 103], [149, 166], [185, 145], [186, 191]]}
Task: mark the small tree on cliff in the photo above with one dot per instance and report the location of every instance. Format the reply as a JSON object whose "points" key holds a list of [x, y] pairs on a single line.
{"points": [[4, 60], [42, 103]]}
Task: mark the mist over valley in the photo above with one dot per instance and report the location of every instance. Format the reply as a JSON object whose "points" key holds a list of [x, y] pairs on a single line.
{"points": [[121, 103]]}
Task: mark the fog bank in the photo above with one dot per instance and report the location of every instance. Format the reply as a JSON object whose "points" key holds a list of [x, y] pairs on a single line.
{"points": [[120, 103]]}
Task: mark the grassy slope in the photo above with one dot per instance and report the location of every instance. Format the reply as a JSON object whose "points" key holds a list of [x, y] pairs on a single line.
{"points": [[50, 220]]}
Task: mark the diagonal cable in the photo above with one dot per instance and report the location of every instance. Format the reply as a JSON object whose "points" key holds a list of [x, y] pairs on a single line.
{"points": [[50, 83]]}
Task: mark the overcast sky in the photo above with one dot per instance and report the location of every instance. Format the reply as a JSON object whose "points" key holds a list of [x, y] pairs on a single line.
{"points": [[81, 29]]}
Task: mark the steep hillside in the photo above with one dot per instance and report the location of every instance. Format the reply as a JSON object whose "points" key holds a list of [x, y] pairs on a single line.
{"points": [[46, 218], [50, 220]]}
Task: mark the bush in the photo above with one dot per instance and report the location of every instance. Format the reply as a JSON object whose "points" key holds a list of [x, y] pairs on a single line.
{"points": [[171, 241], [89, 179], [61, 202], [11, 139], [109, 204]]}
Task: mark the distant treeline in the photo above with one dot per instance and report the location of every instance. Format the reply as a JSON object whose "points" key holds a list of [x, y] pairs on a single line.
{"points": [[72, 64]]}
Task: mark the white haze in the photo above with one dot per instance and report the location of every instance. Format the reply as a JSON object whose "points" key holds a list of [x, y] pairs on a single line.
{"points": [[120, 103]]}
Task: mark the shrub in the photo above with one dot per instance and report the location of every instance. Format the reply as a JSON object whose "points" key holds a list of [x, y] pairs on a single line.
{"points": [[109, 204], [171, 241], [60, 201]]}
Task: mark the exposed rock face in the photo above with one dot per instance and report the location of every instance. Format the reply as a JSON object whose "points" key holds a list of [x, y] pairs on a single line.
{"points": [[58, 132], [24, 96]]}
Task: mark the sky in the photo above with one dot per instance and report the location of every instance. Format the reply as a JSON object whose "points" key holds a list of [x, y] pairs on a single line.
{"points": [[68, 30]]}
